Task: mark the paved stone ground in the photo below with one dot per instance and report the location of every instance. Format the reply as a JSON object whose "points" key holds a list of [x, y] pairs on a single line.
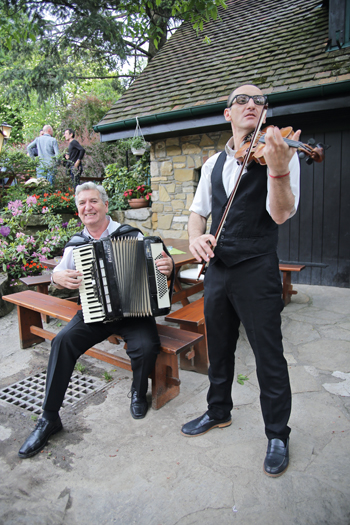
{"points": [[107, 468]]}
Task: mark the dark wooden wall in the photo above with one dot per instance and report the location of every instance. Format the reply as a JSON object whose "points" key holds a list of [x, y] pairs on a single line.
{"points": [[319, 233]]}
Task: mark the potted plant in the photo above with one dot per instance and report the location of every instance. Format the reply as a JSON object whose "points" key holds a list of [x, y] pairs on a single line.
{"points": [[138, 195], [138, 145]]}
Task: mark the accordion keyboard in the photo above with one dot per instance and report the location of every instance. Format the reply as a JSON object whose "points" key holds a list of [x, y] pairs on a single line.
{"points": [[92, 306]]}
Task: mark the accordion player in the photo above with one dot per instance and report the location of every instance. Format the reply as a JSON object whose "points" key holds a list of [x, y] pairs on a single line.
{"points": [[121, 279]]}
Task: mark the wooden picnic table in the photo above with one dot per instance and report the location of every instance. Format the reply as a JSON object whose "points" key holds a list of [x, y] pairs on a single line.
{"points": [[180, 293]]}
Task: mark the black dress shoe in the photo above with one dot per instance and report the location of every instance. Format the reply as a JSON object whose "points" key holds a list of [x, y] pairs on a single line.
{"points": [[138, 406], [277, 458], [203, 424], [39, 437]]}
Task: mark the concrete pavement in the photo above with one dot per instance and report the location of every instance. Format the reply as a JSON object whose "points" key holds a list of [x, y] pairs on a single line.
{"points": [[107, 468]]}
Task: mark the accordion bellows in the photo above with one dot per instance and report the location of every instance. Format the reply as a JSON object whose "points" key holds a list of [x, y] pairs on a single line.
{"points": [[121, 279]]}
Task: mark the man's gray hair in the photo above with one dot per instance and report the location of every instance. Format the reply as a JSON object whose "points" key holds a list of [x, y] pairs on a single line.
{"points": [[91, 186]]}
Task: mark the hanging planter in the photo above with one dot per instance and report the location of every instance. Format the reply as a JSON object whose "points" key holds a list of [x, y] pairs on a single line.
{"points": [[138, 151], [138, 145]]}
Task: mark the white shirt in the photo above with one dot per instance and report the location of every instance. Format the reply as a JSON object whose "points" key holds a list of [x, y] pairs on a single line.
{"points": [[202, 201], [67, 262]]}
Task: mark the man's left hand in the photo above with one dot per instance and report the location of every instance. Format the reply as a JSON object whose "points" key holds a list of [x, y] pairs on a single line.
{"points": [[165, 264], [277, 153]]}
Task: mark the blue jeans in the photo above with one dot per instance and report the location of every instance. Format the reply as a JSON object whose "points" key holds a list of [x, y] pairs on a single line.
{"points": [[49, 175]]}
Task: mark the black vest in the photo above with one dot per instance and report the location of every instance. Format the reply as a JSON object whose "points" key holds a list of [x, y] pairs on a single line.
{"points": [[249, 231]]}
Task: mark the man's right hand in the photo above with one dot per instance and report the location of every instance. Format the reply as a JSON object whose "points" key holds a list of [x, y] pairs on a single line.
{"points": [[201, 247], [68, 279]]}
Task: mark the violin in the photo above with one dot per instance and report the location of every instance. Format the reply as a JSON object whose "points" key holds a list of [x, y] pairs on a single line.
{"points": [[257, 152]]}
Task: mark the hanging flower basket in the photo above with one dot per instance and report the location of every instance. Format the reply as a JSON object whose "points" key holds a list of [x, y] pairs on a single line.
{"points": [[138, 151], [138, 144]]}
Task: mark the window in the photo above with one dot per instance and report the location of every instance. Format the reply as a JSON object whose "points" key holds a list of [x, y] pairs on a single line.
{"points": [[339, 24]]}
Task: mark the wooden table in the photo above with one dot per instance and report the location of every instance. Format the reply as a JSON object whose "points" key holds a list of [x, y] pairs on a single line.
{"points": [[182, 294], [51, 263]]}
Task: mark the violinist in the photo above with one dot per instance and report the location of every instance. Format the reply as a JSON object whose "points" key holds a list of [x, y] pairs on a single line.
{"points": [[242, 282]]}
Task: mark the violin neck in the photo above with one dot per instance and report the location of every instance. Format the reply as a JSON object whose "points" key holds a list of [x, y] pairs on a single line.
{"points": [[291, 143]]}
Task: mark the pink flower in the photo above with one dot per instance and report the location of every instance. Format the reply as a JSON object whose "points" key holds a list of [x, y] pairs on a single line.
{"points": [[31, 200], [21, 248], [15, 206], [5, 230], [1, 220], [45, 209]]}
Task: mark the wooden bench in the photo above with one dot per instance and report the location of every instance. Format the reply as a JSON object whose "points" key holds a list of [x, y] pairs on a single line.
{"points": [[42, 283], [190, 277], [191, 318], [165, 376], [287, 287]]}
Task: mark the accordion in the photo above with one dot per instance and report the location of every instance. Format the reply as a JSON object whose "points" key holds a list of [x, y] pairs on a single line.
{"points": [[121, 279]]}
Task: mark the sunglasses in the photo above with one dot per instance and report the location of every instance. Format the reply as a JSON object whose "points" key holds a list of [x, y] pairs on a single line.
{"points": [[259, 100]]}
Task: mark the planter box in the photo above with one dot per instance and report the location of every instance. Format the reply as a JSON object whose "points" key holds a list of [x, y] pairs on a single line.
{"points": [[41, 220]]}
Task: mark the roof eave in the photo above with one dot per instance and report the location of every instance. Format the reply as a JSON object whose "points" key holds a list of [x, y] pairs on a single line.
{"points": [[125, 128]]}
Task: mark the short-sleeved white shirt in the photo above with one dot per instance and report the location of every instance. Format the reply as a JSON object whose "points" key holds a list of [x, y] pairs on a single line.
{"points": [[202, 202]]}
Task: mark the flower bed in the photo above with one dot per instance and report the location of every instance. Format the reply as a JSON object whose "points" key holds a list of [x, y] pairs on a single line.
{"points": [[21, 253]]}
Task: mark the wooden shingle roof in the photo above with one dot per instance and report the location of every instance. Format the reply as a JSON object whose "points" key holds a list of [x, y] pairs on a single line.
{"points": [[280, 45]]}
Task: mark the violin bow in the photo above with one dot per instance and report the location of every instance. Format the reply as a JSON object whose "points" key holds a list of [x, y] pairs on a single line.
{"points": [[234, 191]]}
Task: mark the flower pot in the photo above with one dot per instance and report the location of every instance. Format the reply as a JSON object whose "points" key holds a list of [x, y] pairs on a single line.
{"points": [[138, 203], [138, 151]]}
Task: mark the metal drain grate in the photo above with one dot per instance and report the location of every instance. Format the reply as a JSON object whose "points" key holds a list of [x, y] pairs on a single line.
{"points": [[29, 393]]}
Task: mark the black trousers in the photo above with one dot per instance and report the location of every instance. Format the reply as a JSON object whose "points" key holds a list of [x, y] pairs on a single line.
{"points": [[248, 292], [77, 337], [75, 174]]}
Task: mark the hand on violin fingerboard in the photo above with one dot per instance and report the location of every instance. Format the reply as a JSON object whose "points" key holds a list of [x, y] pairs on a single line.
{"points": [[276, 152]]}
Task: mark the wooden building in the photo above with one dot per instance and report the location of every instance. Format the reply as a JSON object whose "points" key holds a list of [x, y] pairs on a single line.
{"points": [[298, 53]]}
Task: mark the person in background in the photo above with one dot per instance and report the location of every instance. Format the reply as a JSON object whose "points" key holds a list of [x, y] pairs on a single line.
{"points": [[74, 157], [35, 149], [47, 149]]}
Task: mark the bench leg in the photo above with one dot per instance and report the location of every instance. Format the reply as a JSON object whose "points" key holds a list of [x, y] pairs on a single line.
{"points": [[27, 318], [287, 287], [198, 360], [44, 288], [165, 380]]}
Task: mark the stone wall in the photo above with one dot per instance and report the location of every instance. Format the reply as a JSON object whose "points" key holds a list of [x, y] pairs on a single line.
{"points": [[175, 168]]}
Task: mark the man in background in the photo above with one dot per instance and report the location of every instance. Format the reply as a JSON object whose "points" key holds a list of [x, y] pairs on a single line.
{"points": [[35, 149], [47, 149], [74, 157]]}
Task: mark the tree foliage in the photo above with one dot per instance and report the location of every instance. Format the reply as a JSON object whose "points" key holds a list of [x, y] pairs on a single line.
{"points": [[49, 43]]}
